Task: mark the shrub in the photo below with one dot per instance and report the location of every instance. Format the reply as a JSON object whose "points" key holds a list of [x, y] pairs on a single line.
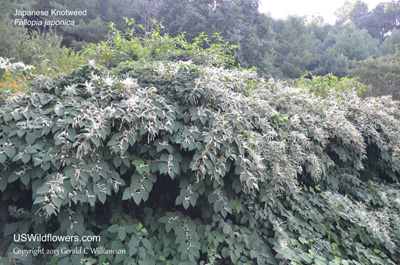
{"points": [[335, 63], [388, 46], [12, 40], [186, 162], [13, 77], [41, 49], [323, 86], [64, 61], [30, 48], [381, 73], [124, 46]]}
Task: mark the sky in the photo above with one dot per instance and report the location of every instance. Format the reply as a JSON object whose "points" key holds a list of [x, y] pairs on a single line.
{"points": [[324, 8]]}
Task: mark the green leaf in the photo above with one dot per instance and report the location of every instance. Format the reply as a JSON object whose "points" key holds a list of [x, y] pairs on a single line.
{"points": [[96, 141], [25, 179], [30, 138], [39, 199], [102, 197], [148, 184], [143, 169], [31, 150], [25, 158], [137, 197], [3, 158], [185, 204], [225, 252], [234, 258], [3, 183], [127, 194], [113, 229], [49, 209], [146, 243], [9, 151], [10, 229], [73, 181], [306, 257], [56, 201], [164, 219], [133, 244], [303, 240], [121, 234], [137, 162], [13, 177]]}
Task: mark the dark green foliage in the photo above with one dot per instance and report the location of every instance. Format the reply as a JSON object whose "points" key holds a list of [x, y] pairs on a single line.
{"points": [[381, 73], [354, 44], [342, 48], [12, 41], [8, 7], [389, 44], [294, 51], [31, 48], [334, 62], [177, 160], [238, 22], [379, 22], [93, 26], [351, 13], [388, 14]]}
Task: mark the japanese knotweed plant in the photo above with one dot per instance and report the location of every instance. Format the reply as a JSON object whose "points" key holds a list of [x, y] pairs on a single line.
{"points": [[176, 162]]}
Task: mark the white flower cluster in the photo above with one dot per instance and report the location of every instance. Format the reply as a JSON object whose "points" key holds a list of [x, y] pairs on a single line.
{"points": [[6, 63]]}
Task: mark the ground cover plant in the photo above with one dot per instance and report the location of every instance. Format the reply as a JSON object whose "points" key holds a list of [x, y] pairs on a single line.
{"points": [[170, 157]]}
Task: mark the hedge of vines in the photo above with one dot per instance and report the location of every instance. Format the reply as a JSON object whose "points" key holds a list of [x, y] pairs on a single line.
{"points": [[177, 161]]}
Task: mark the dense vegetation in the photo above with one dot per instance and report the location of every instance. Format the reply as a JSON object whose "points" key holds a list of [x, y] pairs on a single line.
{"points": [[278, 48], [381, 73], [161, 139], [158, 148], [282, 49]]}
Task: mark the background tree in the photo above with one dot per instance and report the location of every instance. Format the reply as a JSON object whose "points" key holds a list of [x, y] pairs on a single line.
{"points": [[144, 11], [294, 50], [355, 44], [379, 22], [389, 44], [239, 23], [319, 30], [372, 23], [343, 14], [334, 62], [8, 7], [382, 74], [388, 14], [90, 28]]}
